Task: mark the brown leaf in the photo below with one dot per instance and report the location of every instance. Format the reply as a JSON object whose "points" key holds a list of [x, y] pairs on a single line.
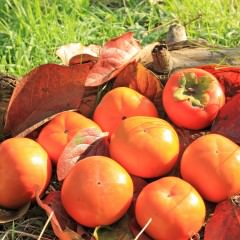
{"points": [[8, 215], [86, 142], [139, 78], [63, 226], [114, 56], [74, 53], [45, 91], [225, 222], [228, 119]]}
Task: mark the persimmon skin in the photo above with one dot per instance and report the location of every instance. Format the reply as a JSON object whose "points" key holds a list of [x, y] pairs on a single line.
{"points": [[176, 209], [120, 103], [145, 146], [60, 130], [24, 169], [181, 112], [212, 165], [97, 191]]}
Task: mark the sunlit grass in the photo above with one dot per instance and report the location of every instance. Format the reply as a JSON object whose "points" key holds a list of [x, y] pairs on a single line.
{"points": [[30, 31]]}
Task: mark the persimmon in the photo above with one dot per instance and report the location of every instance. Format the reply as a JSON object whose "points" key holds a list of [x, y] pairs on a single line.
{"points": [[60, 130], [174, 208], [97, 191], [120, 103], [24, 169], [212, 165], [192, 98], [145, 146]]}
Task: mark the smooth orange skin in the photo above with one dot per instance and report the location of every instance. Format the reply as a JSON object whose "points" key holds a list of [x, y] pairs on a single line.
{"points": [[60, 130], [24, 169], [212, 165], [120, 103], [145, 146], [182, 113], [175, 207], [97, 191]]}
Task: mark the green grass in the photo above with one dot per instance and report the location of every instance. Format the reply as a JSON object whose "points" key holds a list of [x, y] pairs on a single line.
{"points": [[30, 31]]}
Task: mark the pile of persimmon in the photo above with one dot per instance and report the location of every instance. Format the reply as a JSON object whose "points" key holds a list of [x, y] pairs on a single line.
{"points": [[98, 190]]}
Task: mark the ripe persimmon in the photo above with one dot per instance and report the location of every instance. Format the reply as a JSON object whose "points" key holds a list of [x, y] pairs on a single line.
{"points": [[145, 146], [60, 130], [97, 191], [24, 169], [173, 207], [212, 165], [121, 103]]}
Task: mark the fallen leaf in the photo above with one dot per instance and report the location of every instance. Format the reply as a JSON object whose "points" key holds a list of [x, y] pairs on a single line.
{"points": [[63, 226], [225, 222], [9, 215], [86, 142], [74, 53], [45, 91], [114, 56], [228, 76], [89, 101], [139, 78], [118, 231], [228, 119]]}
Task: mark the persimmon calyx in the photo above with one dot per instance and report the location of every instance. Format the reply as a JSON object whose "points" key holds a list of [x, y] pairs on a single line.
{"points": [[194, 89]]}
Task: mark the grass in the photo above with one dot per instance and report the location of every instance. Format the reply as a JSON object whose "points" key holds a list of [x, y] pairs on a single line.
{"points": [[30, 31]]}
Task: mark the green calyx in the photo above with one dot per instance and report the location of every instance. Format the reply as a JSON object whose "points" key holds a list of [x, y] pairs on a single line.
{"points": [[194, 89]]}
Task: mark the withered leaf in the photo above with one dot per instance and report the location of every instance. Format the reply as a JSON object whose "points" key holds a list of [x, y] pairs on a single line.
{"points": [[114, 56], [86, 142], [7, 215], [74, 53], [139, 78], [225, 222], [228, 119], [45, 91], [63, 226]]}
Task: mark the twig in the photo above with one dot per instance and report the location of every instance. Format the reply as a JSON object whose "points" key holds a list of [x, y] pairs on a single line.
{"points": [[143, 229]]}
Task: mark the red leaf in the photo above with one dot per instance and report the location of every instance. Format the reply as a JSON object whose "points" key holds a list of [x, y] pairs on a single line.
{"points": [[45, 91], [228, 76], [225, 222], [87, 142], [228, 119], [63, 226], [115, 55]]}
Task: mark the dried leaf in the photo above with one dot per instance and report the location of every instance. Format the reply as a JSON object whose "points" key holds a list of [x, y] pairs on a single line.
{"points": [[8, 215], [228, 119], [45, 91], [86, 142], [228, 76], [117, 231], [225, 222], [63, 226], [74, 53], [89, 101], [139, 78], [114, 56]]}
